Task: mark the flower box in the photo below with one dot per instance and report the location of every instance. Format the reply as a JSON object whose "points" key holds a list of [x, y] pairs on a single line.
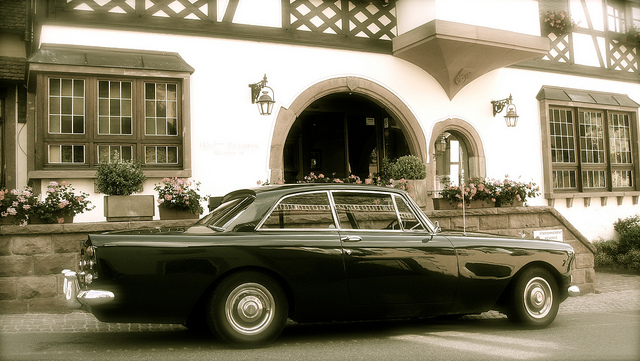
{"points": [[138, 207], [443, 203], [175, 213], [59, 216]]}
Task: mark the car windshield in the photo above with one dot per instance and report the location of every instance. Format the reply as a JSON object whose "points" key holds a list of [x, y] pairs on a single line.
{"points": [[220, 217]]}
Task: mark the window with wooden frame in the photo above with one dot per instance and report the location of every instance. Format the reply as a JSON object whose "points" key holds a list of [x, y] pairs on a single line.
{"points": [[590, 143], [88, 115], [91, 119]]}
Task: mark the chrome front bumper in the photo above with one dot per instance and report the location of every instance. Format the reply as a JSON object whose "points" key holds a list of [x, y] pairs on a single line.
{"points": [[76, 298]]}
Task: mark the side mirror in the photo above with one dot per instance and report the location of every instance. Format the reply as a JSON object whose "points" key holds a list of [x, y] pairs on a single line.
{"points": [[438, 229]]}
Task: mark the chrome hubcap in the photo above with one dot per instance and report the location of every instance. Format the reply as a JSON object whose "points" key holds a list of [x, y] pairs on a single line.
{"points": [[538, 297], [250, 308]]}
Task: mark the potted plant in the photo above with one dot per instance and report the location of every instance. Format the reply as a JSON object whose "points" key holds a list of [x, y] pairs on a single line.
{"points": [[119, 180], [178, 198], [61, 204], [409, 173], [16, 206], [475, 192], [482, 193], [511, 193], [557, 22]]}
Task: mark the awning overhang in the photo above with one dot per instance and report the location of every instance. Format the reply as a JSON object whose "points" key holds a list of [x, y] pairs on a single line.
{"points": [[56, 57], [455, 54]]}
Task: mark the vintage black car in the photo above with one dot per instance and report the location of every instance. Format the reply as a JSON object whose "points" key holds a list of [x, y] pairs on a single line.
{"points": [[310, 253]]}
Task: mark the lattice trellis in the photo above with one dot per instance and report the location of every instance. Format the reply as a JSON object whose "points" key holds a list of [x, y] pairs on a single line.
{"points": [[560, 48], [623, 56], [372, 21], [183, 9], [104, 6], [316, 16]]}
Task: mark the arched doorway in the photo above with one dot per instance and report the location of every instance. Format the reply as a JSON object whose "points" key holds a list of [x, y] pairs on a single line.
{"points": [[370, 96], [342, 134]]}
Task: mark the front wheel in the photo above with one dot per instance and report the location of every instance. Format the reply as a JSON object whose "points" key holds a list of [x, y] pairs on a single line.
{"points": [[248, 308], [535, 299]]}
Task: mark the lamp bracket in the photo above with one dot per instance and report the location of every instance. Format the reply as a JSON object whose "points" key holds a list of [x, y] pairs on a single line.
{"points": [[498, 105], [257, 87]]}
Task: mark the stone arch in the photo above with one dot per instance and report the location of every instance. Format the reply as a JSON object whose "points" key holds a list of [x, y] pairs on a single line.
{"points": [[374, 91], [471, 138]]}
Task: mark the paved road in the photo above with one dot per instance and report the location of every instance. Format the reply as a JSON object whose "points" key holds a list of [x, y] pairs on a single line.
{"points": [[604, 325]]}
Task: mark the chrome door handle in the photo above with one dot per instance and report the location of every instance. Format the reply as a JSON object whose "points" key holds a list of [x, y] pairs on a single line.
{"points": [[351, 239]]}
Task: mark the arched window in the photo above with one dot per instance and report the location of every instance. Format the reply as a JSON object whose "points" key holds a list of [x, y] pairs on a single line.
{"points": [[457, 152]]}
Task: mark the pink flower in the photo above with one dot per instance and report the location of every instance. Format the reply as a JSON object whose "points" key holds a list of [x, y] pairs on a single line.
{"points": [[368, 181], [60, 220], [64, 183], [53, 184], [168, 197]]}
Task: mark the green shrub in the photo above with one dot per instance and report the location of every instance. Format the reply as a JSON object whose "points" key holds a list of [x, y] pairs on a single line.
{"points": [[119, 178], [629, 231], [407, 167], [624, 253]]}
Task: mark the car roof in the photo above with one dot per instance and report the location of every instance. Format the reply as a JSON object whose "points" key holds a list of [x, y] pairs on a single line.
{"points": [[301, 187]]}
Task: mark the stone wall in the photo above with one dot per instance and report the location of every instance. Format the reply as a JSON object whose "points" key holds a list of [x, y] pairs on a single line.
{"points": [[522, 222], [32, 259]]}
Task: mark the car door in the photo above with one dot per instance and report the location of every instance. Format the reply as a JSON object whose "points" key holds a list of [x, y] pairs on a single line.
{"points": [[299, 240], [390, 256]]}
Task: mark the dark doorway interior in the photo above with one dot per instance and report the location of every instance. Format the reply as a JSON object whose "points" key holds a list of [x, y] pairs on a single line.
{"points": [[342, 134]]}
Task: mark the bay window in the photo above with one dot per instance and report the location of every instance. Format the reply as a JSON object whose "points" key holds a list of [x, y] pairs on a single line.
{"points": [[590, 142], [90, 113]]}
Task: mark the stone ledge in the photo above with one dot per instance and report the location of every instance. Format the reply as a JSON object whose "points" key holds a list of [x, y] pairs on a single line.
{"points": [[90, 227]]}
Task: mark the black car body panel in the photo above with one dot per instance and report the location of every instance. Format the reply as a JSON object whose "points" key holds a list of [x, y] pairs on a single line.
{"points": [[339, 271]]}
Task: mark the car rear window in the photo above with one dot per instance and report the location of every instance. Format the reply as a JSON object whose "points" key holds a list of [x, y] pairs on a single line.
{"points": [[225, 212]]}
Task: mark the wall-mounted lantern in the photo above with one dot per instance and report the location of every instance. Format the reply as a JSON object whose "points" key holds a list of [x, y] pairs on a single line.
{"points": [[266, 100], [511, 117], [441, 143]]}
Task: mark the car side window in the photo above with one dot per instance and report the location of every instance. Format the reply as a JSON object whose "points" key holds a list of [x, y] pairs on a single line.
{"points": [[373, 211], [409, 220], [302, 211]]}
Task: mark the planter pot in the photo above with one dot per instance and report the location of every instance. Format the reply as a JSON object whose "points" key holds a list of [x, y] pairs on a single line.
{"points": [[481, 204], [417, 189], [8, 220], [58, 215], [442, 204], [173, 213], [139, 207], [515, 204]]}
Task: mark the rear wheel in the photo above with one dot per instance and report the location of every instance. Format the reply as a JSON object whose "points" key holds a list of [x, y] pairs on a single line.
{"points": [[248, 308], [535, 299]]}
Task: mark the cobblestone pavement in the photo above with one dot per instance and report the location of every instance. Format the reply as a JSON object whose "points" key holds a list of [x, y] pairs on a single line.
{"points": [[614, 292]]}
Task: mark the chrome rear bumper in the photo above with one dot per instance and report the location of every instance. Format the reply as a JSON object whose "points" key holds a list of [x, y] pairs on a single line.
{"points": [[574, 291], [76, 298]]}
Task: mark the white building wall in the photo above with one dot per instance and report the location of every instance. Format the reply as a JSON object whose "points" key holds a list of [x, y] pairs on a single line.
{"points": [[231, 141]]}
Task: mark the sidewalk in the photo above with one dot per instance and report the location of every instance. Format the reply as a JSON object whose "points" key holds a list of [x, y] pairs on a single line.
{"points": [[614, 292]]}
